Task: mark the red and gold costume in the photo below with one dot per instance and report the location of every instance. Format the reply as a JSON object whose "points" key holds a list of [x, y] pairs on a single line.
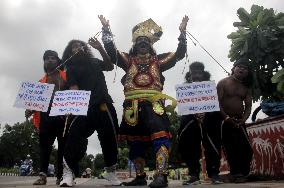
{"points": [[145, 117]]}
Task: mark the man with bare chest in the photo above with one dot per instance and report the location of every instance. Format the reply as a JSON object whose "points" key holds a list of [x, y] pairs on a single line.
{"points": [[235, 99]]}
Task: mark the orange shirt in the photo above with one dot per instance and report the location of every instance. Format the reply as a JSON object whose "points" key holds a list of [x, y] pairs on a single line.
{"points": [[36, 115]]}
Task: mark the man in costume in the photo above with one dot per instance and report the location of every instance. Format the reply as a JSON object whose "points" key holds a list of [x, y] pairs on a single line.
{"points": [[145, 119], [84, 72], [50, 127], [200, 128], [234, 93]]}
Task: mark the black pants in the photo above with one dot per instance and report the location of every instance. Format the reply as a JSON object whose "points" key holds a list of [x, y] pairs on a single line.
{"points": [[51, 128], [192, 135], [237, 149], [105, 123], [150, 125]]}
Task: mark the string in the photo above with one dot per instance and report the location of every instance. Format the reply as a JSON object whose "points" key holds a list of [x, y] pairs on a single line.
{"points": [[190, 35]]}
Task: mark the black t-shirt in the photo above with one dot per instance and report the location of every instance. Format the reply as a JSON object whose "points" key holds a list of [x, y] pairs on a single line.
{"points": [[87, 74]]}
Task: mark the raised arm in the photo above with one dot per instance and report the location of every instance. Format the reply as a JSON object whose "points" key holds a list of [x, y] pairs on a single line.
{"points": [[182, 47], [169, 60], [107, 38], [107, 64]]}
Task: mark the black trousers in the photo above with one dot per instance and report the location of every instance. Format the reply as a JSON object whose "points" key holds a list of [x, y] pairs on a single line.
{"points": [[105, 122], [192, 135], [150, 125], [238, 150], [51, 128]]}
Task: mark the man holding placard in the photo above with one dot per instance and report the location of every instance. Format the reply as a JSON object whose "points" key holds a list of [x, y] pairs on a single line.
{"points": [[50, 127], [84, 72], [200, 123]]}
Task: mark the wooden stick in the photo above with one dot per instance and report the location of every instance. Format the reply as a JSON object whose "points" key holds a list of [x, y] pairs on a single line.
{"points": [[65, 125]]}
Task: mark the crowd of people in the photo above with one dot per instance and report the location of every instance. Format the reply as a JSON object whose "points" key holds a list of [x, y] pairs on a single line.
{"points": [[145, 121]]}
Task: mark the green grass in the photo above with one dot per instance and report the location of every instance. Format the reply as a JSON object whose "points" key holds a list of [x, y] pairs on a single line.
{"points": [[9, 170]]}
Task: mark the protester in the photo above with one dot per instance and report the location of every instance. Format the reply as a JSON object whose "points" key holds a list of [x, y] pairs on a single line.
{"points": [[50, 127], [144, 118], [84, 72], [234, 93], [197, 130]]}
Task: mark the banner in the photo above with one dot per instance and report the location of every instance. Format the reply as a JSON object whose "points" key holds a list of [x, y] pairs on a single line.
{"points": [[197, 97], [74, 102], [34, 96]]}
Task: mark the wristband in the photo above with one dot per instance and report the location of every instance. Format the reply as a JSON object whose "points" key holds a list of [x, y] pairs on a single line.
{"points": [[226, 118]]}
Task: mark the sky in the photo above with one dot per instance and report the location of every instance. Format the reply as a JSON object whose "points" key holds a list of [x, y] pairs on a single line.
{"points": [[29, 27]]}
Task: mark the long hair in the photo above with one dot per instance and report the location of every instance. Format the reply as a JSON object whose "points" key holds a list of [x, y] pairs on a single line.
{"points": [[68, 50], [206, 76], [187, 77]]}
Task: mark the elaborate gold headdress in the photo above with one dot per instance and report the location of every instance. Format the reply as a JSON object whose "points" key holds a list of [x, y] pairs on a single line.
{"points": [[148, 29]]}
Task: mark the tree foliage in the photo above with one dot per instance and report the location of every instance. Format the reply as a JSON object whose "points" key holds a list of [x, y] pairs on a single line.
{"points": [[99, 164], [175, 124], [21, 139], [86, 162], [16, 142], [259, 37], [123, 157], [278, 79]]}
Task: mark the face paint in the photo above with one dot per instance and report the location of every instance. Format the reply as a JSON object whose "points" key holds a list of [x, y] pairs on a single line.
{"points": [[143, 45]]}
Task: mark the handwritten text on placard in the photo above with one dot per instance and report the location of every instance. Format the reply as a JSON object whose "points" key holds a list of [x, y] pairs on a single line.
{"points": [[197, 97], [74, 102], [34, 96]]}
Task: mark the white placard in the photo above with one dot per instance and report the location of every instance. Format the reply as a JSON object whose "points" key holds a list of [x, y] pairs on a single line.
{"points": [[34, 96], [74, 102], [197, 97]]}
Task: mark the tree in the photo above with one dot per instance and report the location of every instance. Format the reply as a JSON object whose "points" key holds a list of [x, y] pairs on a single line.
{"points": [[175, 124], [86, 162], [278, 79], [19, 140], [123, 157], [16, 142], [260, 38], [98, 164]]}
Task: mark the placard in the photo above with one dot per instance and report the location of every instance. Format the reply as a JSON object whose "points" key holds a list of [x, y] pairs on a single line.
{"points": [[197, 97], [73, 102], [34, 96]]}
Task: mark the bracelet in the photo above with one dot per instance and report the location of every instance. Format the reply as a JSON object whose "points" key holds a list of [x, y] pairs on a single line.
{"points": [[226, 118], [107, 37]]}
